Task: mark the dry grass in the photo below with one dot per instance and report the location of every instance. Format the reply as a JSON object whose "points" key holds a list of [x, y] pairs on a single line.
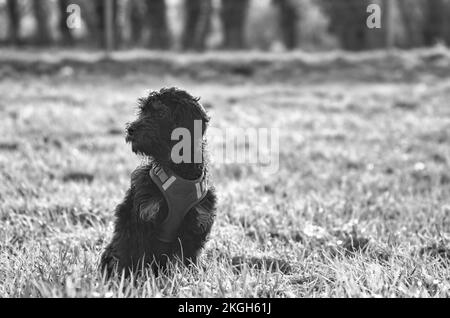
{"points": [[360, 206]]}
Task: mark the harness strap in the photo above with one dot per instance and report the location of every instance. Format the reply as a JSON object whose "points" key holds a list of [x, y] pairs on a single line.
{"points": [[181, 196]]}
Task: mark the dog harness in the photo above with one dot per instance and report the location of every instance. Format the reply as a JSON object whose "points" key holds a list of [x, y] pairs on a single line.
{"points": [[181, 195]]}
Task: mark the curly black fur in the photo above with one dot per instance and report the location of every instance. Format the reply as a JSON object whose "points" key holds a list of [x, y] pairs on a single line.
{"points": [[134, 245]]}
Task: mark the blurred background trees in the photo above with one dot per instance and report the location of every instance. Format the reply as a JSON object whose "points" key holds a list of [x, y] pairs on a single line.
{"points": [[66, 35], [42, 13], [156, 19], [288, 22], [12, 7], [437, 21], [348, 22], [233, 15], [226, 24], [197, 24]]}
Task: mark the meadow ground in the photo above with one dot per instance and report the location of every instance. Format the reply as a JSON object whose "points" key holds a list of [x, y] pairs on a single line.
{"points": [[360, 205]]}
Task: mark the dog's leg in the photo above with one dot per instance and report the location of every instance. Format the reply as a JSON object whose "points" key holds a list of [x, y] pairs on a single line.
{"points": [[193, 234], [145, 199], [117, 254]]}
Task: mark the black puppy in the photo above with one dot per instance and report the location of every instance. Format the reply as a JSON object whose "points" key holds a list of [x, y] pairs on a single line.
{"points": [[169, 209]]}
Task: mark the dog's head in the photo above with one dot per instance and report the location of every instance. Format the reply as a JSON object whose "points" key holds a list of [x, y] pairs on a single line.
{"points": [[159, 115]]}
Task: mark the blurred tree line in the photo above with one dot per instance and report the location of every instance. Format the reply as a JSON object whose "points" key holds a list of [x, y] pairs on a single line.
{"points": [[226, 24]]}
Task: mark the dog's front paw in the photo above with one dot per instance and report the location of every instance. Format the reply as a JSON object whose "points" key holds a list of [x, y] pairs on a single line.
{"points": [[149, 210]]}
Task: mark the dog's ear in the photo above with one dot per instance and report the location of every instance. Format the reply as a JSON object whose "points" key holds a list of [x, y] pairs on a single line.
{"points": [[185, 108], [185, 116]]}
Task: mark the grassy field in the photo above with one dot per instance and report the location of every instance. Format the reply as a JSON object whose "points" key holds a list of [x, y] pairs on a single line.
{"points": [[360, 206]]}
